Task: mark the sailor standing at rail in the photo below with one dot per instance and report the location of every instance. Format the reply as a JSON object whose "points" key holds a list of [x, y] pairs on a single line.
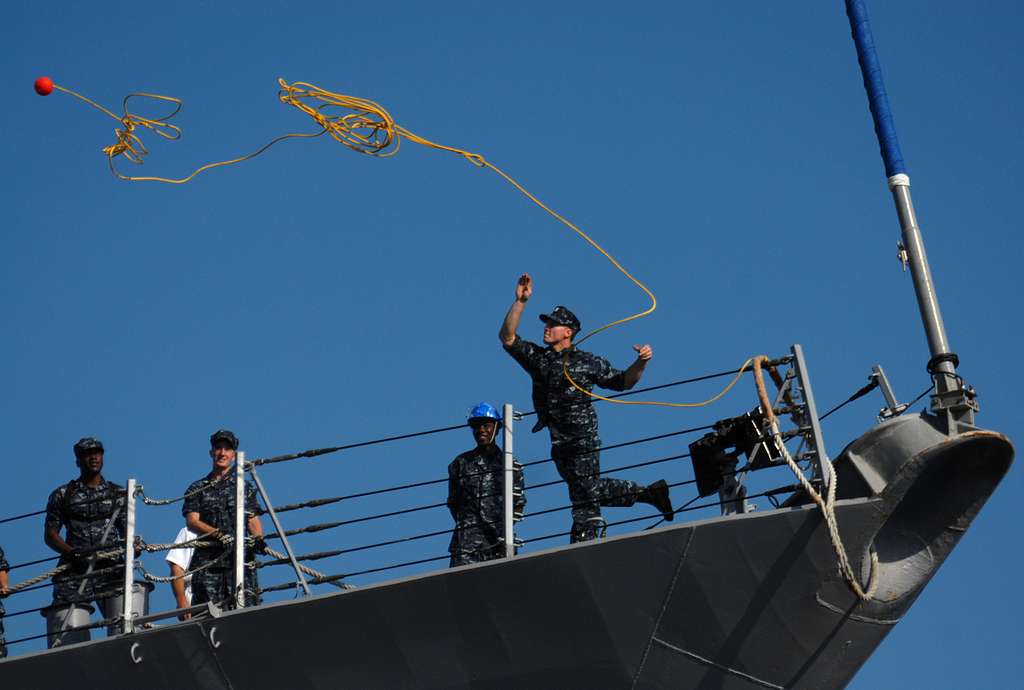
{"points": [[569, 414], [209, 511], [93, 511], [475, 493]]}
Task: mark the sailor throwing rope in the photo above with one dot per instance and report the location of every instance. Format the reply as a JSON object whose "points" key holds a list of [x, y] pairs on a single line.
{"points": [[562, 378]]}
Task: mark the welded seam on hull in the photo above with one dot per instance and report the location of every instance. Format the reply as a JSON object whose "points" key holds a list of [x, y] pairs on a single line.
{"points": [[854, 616], [213, 652], [664, 607], [709, 662]]}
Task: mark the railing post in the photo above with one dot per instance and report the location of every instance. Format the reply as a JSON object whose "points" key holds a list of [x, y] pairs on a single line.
{"points": [[128, 624], [507, 417], [817, 439], [240, 530], [301, 579]]}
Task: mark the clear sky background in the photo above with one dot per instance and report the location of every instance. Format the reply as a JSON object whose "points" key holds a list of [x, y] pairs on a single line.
{"points": [[721, 151]]}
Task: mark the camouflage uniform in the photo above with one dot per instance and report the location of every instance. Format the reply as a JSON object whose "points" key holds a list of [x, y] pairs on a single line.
{"points": [[4, 567], [215, 503], [85, 511], [476, 501], [572, 424]]}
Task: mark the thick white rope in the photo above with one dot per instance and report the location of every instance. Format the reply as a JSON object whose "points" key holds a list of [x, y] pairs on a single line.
{"points": [[307, 570], [827, 504], [100, 555]]}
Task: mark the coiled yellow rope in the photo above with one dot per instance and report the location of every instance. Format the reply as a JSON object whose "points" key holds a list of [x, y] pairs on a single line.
{"points": [[365, 127], [130, 146]]}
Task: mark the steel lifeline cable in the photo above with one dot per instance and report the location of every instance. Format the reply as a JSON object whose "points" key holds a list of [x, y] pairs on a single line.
{"points": [[365, 127]]}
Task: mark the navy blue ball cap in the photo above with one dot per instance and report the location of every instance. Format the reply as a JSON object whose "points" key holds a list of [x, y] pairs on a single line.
{"points": [[226, 436], [561, 316], [88, 444]]}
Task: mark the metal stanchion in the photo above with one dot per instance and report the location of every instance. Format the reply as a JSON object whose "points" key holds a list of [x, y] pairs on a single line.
{"points": [[300, 578], [240, 529], [129, 558], [507, 415]]}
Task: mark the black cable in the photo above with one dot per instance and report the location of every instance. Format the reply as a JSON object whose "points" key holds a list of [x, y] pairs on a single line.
{"points": [[36, 562], [913, 402], [585, 503], [334, 578], [625, 443], [317, 502], [26, 611], [320, 555], [112, 496], [398, 565], [872, 385], [338, 552], [320, 527], [106, 622], [334, 449], [687, 507], [608, 471], [22, 516]]}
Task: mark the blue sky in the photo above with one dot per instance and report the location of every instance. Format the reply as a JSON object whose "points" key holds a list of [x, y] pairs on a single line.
{"points": [[310, 297]]}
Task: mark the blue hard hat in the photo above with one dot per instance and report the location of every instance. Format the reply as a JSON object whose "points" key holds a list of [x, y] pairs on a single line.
{"points": [[483, 410]]}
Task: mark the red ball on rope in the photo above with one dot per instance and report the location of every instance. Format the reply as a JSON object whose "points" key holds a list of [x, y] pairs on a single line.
{"points": [[44, 86]]}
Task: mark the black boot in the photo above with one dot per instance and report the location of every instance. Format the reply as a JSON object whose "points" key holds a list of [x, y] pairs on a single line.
{"points": [[656, 494]]}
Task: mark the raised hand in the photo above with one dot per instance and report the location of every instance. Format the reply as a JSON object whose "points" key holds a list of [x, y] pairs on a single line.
{"points": [[524, 288], [643, 352]]}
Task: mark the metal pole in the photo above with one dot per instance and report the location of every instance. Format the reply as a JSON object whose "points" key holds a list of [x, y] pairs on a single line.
{"points": [[507, 415], [240, 530], [942, 364], [280, 530], [129, 558], [924, 286]]}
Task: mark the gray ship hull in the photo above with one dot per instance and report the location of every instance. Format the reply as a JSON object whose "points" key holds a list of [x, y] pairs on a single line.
{"points": [[747, 601]]}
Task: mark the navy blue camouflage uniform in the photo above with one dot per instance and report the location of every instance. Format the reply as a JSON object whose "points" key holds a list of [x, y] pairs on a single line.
{"points": [[4, 567], [85, 512], [476, 500], [572, 423], [214, 500]]}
